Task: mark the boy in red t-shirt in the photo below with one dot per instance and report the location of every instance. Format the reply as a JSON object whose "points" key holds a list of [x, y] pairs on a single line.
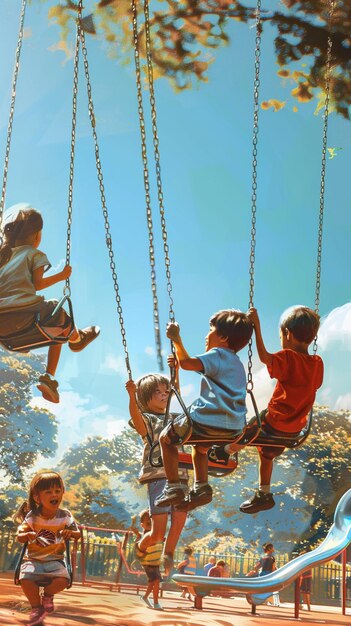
{"points": [[298, 375]]}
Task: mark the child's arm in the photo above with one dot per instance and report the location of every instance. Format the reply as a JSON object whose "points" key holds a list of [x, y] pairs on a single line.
{"points": [[40, 282], [265, 357], [134, 410], [23, 537], [186, 362], [66, 533], [174, 363]]}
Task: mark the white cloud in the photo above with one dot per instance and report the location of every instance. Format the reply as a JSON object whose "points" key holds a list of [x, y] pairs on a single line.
{"points": [[115, 364], [187, 390], [149, 350], [343, 402], [335, 330]]}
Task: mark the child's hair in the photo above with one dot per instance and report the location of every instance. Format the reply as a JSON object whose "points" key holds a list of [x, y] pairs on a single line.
{"points": [[188, 551], [40, 482], [220, 563], [267, 546], [146, 387], [27, 222], [302, 322], [235, 325], [145, 513]]}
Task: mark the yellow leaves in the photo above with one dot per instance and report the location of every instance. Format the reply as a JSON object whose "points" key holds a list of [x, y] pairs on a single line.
{"points": [[61, 46], [302, 92], [333, 152], [284, 73], [272, 103]]}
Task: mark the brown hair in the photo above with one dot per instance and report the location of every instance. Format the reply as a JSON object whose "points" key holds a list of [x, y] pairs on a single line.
{"points": [[40, 482], [235, 325], [267, 546], [27, 222], [146, 387], [145, 513], [302, 322]]}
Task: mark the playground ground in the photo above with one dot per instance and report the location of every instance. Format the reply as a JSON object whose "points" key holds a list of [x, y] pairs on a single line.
{"points": [[100, 607]]}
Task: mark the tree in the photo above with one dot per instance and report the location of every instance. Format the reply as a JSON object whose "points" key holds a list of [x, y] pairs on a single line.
{"points": [[183, 33], [25, 432]]}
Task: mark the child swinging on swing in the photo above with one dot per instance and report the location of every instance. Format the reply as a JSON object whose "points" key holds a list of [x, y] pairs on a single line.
{"points": [[218, 414], [22, 268]]}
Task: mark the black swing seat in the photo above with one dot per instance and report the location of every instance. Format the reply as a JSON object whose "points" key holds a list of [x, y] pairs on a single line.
{"points": [[23, 341], [255, 435], [16, 576]]}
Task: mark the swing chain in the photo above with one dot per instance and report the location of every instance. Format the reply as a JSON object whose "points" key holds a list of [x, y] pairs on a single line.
{"points": [[67, 289], [156, 143], [12, 111], [146, 187], [254, 180], [103, 201], [328, 68]]}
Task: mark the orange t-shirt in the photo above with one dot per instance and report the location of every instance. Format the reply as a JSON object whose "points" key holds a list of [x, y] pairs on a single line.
{"points": [[299, 376]]}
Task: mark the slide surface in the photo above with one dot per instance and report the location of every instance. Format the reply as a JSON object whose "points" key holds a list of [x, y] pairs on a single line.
{"points": [[338, 538]]}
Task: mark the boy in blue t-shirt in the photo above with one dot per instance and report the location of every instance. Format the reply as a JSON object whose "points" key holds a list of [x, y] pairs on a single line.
{"points": [[218, 414]]}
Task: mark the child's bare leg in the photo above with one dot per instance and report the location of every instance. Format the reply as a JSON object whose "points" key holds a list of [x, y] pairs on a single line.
{"points": [[155, 590], [170, 459], [57, 585], [177, 523], [31, 591], [149, 588], [200, 463], [265, 472], [53, 359], [157, 532]]}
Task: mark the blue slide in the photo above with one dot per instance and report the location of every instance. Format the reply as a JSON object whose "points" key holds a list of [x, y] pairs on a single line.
{"points": [[260, 588]]}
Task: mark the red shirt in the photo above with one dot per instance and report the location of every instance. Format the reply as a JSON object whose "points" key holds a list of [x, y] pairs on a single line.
{"points": [[298, 377], [216, 571]]}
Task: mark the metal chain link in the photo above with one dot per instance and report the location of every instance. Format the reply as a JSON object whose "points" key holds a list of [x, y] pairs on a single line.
{"points": [[12, 111], [156, 316], [67, 288], [156, 144], [103, 202], [249, 385], [323, 166]]}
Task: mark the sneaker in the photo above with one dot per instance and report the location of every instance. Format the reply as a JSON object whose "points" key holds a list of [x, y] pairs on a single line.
{"points": [[259, 502], [195, 498], [36, 616], [217, 454], [146, 601], [170, 496], [87, 335], [48, 388], [158, 606], [48, 603]]}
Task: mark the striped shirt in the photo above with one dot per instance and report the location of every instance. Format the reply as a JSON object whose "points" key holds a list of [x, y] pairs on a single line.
{"points": [[48, 544]]}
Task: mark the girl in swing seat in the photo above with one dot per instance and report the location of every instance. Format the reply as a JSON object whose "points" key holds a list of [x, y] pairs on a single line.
{"points": [[22, 268]]}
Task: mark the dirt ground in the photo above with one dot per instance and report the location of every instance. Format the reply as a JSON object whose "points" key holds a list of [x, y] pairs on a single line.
{"points": [[101, 607]]}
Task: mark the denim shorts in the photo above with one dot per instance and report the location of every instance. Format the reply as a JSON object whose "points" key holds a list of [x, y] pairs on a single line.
{"points": [[43, 572], [154, 489]]}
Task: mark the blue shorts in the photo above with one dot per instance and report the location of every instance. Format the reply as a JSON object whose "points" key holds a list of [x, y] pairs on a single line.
{"points": [[43, 572], [154, 489]]}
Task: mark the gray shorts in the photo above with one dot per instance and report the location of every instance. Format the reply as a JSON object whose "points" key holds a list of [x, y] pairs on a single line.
{"points": [[20, 320], [43, 572]]}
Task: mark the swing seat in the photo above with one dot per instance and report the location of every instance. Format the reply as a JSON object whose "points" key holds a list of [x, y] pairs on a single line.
{"points": [[214, 469], [16, 576], [40, 334], [255, 435]]}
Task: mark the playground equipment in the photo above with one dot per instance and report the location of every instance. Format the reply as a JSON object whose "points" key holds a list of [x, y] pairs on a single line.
{"points": [[259, 589]]}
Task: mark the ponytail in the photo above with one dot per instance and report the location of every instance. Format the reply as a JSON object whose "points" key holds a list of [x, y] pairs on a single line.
{"points": [[21, 512]]}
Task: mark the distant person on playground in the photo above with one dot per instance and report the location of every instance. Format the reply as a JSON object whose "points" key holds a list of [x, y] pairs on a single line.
{"points": [[150, 559], [298, 375], [218, 413], [218, 571], [187, 566], [211, 563], [148, 399], [22, 268]]}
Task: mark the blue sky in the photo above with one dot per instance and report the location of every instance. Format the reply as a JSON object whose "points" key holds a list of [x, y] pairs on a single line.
{"points": [[205, 142]]}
